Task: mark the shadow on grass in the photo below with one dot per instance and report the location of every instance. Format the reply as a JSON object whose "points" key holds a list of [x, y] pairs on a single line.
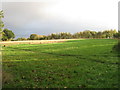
{"points": [[116, 48], [76, 40]]}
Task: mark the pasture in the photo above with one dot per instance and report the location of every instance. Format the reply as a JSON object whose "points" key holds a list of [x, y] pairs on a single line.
{"points": [[87, 63]]}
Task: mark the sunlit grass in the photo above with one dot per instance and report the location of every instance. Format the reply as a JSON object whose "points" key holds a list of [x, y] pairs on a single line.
{"points": [[74, 64]]}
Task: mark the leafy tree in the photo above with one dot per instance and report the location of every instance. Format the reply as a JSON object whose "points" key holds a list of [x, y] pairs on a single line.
{"points": [[33, 37], [109, 33], [66, 35], [42, 37], [36, 37], [78, 35], [4, 37], [1, 23], [99, 35], [7, 35], [87, 34], [93, 34], [117, 35], [61, 35]]}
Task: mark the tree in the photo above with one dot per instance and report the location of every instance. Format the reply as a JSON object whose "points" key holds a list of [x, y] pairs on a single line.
{"points": [[65, 35], [61, 35], [109, 33], [87, 34], [1, 23], [33, 37], [117, 35], [93, 34], [36, 37], [42, 37], [7, 35], [99, 34]]}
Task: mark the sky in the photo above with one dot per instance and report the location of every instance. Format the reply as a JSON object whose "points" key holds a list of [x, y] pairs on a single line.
{"points": [[43, 17]]}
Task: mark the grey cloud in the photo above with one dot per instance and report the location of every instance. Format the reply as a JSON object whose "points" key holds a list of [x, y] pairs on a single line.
{"points": [[26, 18], [21, 13]]}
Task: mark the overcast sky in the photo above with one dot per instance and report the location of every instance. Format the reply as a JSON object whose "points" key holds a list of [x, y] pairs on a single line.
{"points": [[51, 16]]}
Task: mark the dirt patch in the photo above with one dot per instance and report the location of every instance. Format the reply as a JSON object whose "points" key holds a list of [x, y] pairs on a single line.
{"points": [[6, 77]]}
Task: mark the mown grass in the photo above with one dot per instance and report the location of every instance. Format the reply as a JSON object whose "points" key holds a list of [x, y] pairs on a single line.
{"points": [[74, 64]]}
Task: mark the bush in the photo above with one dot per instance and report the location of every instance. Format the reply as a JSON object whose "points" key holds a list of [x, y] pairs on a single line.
{"points": [[21, 39]]}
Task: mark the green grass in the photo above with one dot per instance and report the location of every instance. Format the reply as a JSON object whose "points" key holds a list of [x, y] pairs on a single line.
{"points": [[73, 64]]}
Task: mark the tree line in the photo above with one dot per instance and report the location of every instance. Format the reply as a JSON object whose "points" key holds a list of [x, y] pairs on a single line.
{"points": [[6, 34], [110, 34], [84, 34]]}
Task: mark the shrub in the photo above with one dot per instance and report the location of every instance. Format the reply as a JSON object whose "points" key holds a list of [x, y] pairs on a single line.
{"points": [[21, 39]]}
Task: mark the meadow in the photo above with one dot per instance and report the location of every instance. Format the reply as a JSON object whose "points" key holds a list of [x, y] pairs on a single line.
{"points": [[84, 63]]}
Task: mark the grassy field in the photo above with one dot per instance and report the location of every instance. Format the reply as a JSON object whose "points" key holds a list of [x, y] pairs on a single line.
{"points": [[89, 63]]}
